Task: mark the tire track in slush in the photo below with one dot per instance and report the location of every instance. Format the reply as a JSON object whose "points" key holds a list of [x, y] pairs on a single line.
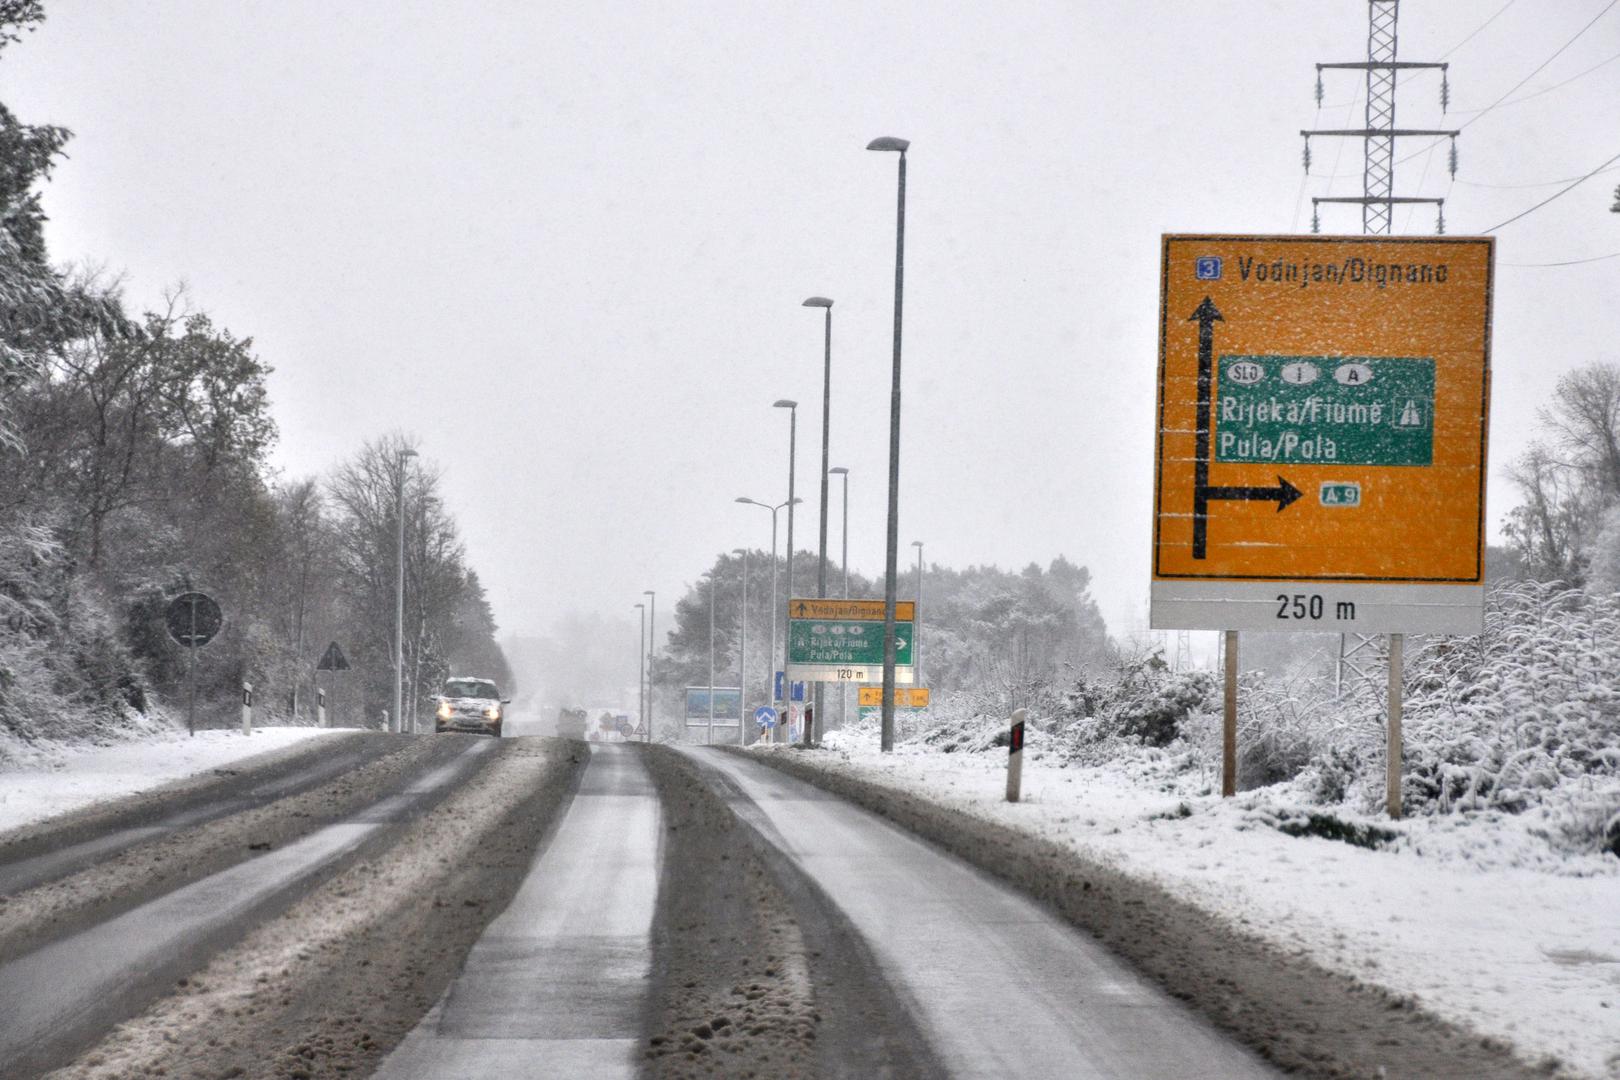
{"points": [[999, 985], [65, 994], [557, 985]]}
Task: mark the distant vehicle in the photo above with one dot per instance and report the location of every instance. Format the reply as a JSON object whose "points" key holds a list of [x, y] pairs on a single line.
{"points": [[473, 705], [571, 723]]}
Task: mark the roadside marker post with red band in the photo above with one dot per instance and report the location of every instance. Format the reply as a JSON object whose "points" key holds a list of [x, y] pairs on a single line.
{"points": [[1015, 755]]}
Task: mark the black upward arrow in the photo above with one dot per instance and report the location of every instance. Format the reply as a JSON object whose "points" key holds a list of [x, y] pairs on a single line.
{"points": [[802, 607], [1206, 316]]}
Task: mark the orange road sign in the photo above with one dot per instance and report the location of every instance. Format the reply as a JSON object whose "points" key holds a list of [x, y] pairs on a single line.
{"points": [[850, 610], [912, 697], [1322, 414]]}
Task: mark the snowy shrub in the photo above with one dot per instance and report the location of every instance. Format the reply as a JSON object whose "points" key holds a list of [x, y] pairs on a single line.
{"points": [[64, 673], [1502, 720], [1142, 703]]}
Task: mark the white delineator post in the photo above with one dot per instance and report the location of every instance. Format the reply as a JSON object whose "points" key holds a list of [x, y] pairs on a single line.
{"points": [[247, 708], [1392, 757], [320, 708], [1015, 755]]}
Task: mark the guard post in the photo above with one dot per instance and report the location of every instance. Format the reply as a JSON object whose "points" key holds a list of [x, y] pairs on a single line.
{"points": [[247, 708], [320, 708], [1015, 755]]}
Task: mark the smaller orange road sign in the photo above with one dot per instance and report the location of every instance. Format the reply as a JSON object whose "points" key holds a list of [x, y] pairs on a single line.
{"points": [[905, 697], [850, 610]]}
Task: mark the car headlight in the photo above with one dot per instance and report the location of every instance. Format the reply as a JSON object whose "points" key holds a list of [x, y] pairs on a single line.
{"points": [[492, 713], [445, 711]]}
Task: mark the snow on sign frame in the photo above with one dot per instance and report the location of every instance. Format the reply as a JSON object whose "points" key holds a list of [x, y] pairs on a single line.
{"points": [[1323, 404]]}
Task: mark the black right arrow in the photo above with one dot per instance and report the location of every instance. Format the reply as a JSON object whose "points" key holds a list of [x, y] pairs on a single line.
{"points": [[1284, 494]]}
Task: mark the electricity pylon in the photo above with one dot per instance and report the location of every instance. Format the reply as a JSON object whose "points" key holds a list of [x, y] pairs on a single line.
{"points": [[1360, 654], [1380, 135]]}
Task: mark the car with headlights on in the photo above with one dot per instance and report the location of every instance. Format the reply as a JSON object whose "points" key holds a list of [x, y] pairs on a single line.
{"points": [[472, 705]]}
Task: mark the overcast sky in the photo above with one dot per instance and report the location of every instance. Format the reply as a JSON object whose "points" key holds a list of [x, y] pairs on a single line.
{"points": [[566, 244]]}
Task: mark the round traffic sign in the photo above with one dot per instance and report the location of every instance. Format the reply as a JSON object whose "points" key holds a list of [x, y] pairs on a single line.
{"points": [[193, 619], [765, 716]]}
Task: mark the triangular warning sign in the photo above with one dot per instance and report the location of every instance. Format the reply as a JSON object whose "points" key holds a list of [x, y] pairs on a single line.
{"points": [[333, 659]]}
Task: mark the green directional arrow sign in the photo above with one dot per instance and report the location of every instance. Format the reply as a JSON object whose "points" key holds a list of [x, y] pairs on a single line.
{"points": [[845, 642]]}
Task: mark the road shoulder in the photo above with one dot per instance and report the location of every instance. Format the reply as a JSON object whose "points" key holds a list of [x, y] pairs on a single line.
{"points": [[1288, 1008]]}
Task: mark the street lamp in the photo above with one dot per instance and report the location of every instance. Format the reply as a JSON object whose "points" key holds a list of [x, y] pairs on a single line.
{"points": [[843, 690], [839, 470], [826, 427], [641, 670], [709, 738], [891, 562], [916, 625], [770, 677], [742, 654], [399, 593], [652, 633], [793, 437]]}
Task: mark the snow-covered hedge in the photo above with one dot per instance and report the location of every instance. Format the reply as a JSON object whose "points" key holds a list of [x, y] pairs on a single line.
{"points": [[1523, 718]]}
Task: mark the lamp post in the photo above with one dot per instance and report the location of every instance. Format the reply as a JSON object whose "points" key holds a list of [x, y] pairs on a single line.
{"points": [[399, 591], [793, 438], [769, 676], [826, 306], [916, 626], [891, 558], [652, 633], [843, 690], [641, 670], [709, 737], [742, 655]]}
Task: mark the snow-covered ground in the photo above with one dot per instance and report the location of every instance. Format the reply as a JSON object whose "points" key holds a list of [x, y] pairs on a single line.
{"points": [[74, 779], [1474, 917]]}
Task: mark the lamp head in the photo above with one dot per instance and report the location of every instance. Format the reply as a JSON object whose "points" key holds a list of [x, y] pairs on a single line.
{"points": [[817, 301], [889, 142], [746, 500], [916, 543], [838, 470], [403, 454], [784, 403]]}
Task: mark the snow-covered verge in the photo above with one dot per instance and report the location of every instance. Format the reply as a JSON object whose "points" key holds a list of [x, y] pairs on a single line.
{"points": [[70, 778], [1479, 918]]}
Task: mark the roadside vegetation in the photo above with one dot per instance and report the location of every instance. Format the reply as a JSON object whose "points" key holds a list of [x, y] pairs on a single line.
{"points": [[134, 466]]}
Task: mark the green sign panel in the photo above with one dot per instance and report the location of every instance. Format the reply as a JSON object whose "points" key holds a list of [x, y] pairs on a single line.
{"points": [[1325, 410], [841, 642]]}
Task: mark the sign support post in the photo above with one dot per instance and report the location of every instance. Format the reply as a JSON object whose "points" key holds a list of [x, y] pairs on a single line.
{"points": [[1392, 757], [192, 618], [191, 676], [1229, 719]]}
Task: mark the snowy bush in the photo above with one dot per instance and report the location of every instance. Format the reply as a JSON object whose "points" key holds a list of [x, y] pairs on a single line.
{"points": [[1532, 705], [64, 673]]}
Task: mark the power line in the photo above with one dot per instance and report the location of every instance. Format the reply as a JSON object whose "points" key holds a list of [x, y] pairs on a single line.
{"points": [[1477, 29], [1554, 86], [1569, 262], [1516, 86], [1556, 194], [1539, 183]]}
